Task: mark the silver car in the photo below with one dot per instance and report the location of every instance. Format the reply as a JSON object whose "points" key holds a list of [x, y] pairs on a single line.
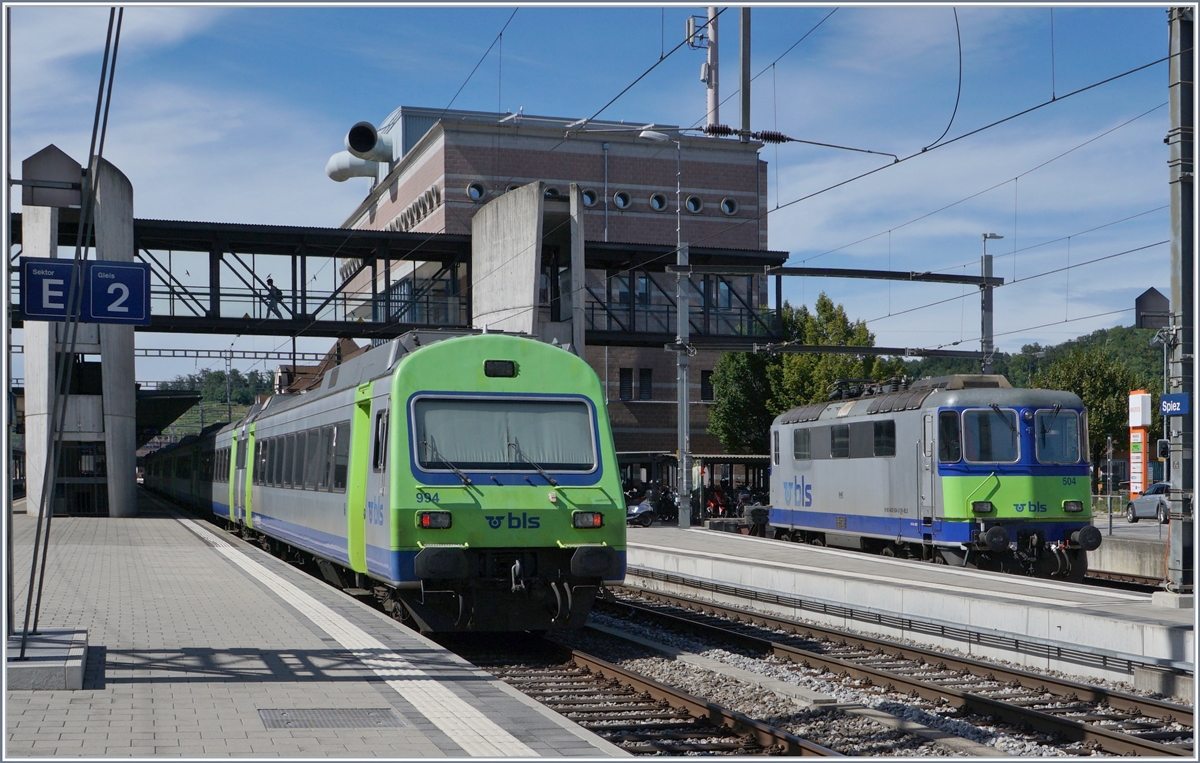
{"points": [[1153, 503]]}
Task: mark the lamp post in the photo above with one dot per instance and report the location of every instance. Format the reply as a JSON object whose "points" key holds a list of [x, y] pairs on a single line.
{"points": [[985, 306], [682, 347]]}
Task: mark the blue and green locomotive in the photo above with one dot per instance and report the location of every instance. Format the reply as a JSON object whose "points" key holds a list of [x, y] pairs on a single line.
{"points": [[469, 482], [964, 470]]}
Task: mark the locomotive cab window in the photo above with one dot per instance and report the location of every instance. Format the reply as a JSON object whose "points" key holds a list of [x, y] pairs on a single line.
{"points": [[990, 435], [801, 444], [949, 445], [775, 450], [1056, 436]]}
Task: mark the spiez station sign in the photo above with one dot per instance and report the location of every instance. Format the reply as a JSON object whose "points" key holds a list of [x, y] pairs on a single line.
{"points": [[113, 292]]}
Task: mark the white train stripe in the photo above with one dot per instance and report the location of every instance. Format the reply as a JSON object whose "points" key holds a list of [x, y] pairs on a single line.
{"points": [[465, 725]]}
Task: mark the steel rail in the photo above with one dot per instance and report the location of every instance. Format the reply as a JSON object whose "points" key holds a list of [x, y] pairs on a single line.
{"points": [[765, 735], [1070, 729]]}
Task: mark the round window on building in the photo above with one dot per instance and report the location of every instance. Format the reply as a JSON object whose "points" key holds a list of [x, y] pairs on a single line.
{"points": [[658, 202], [589, 197], [476, 191], [694, 204], [729, 206], [622, 200], [511, 187], [552, 191]]}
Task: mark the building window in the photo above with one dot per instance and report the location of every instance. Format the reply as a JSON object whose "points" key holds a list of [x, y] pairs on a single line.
{"points": [[476, 191], [626, 389], [706, 387], [729, 206], [622, 200], [645, 384], [694, 204], [589, 197], [658, 202]]}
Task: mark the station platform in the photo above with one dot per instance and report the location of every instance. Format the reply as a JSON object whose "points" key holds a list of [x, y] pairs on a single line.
{"points": [[1082, 630], [200, 644]]}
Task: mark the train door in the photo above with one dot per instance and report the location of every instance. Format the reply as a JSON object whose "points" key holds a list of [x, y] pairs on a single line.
{"points": [[239, 476], [925, 477], [360, 468], [377, 514]]}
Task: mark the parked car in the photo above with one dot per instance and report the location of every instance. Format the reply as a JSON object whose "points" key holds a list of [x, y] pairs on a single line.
{"points": [[1153, 503]]}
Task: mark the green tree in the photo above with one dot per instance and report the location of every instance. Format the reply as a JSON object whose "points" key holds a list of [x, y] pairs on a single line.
{"points": [[808, 378], [242, 390], [1103, 381], [741, 415]]}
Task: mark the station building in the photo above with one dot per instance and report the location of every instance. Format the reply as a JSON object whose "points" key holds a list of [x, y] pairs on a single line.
{"points": [[433, 170]]}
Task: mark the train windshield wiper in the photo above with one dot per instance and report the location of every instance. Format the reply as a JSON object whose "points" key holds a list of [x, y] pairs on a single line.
{"points": [[1003, 418], [529, 461], [437, 454]]}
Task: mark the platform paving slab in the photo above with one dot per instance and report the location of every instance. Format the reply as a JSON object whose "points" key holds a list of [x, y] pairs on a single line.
{"points": [[193, 631]]}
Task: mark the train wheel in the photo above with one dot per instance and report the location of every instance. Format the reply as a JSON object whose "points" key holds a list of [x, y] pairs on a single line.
{"points": [[797, 537], [782, 535], [887, 551], [816, 542]]}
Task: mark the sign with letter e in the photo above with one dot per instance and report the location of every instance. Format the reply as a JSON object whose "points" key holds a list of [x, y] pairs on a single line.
{"points": [[1175, 405], [45, 287], [117, 292]]}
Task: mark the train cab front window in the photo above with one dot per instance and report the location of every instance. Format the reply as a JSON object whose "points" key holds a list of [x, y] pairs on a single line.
{"points": [[503, 434], [1056, 436], [990, 435]]}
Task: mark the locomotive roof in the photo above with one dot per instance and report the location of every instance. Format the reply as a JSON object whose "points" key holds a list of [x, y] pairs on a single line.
{"points": [[929, 396]]}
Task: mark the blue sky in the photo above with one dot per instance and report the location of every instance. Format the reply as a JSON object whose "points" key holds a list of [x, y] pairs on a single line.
{"points": [[228, 113]]}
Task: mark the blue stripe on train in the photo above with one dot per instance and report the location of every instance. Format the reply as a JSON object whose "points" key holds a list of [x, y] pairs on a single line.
{"points": [[905, 528]]}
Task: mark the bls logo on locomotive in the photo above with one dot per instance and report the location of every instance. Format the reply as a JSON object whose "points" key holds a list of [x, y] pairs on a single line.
{"points": [[798, 493], [522, 521]]}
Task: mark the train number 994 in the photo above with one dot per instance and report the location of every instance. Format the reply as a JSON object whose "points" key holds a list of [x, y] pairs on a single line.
{"points": [[423, 497]]}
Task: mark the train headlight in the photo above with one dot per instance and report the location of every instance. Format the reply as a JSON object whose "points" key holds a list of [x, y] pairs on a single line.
{"points": [[1073, 507], [982, 507], [433, 520], [582, 519]]}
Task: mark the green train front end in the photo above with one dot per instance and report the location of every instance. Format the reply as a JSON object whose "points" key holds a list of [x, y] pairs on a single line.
{"points": [[504, 505]]}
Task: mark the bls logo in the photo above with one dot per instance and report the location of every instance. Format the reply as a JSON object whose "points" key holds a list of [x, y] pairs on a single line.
{"points": [[1033, 507], [797, 493], [515, 522]]}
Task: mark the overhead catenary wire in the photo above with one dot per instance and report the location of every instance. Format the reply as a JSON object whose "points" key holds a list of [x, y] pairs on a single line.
{"points": [[957, 98], [1031, 170], [65, 350]]}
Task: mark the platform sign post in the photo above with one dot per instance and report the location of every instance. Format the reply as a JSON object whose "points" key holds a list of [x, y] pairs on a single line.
{"points": [[117, 292], [1139, 442], [46, 285], [113, 292]]}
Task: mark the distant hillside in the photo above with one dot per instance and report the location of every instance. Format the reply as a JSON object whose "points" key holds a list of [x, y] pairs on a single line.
{"points": [[1129, 344]]}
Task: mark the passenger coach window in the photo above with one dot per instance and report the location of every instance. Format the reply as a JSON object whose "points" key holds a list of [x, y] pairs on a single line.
{"points": [[839, 442], [341, 455], [289, 452], [949, 448], [326, 453], [1056, 436], [298, 462], [990, 436], [801, 444], [885, 438]]}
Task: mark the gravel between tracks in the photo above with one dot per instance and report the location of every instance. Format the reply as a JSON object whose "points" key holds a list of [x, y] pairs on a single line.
{"points": [[847, 734]]}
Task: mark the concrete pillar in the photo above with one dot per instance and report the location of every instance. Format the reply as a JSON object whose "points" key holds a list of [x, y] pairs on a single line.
{"points": [[39, 237], [114, 241], [578, 273]]}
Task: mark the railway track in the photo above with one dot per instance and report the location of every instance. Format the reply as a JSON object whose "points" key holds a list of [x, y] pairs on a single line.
{"points": [[638, 714], [1078, 713]]}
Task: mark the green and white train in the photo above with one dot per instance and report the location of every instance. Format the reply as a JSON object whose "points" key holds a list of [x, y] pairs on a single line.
{"points": [[469, 482], [964, 470]]}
